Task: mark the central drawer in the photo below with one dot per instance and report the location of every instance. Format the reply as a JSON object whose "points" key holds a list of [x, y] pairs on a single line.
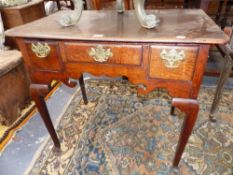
{"points": [[103, 53]]}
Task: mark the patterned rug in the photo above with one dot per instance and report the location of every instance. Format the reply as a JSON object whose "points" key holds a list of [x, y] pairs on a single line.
{"points": [[120, 133]]}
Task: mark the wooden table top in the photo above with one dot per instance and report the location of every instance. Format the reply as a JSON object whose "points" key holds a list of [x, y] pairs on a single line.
{"points": [[176, 25]]}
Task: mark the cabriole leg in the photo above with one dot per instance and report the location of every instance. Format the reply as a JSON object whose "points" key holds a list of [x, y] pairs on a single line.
{"points": [[83, 90], [191, 108], [222, 80], [172, 112], [38, 92]]}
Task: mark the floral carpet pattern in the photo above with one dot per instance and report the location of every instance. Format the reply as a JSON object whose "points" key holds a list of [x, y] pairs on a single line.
{"points": [[120, 133]]}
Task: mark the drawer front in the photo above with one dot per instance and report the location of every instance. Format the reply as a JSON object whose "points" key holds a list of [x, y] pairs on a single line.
{"points": [[103, 53], [43, 55], [172, 62]]}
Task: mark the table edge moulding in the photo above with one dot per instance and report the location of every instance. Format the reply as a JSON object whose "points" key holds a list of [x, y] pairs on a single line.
{"points": [[172, 56]]}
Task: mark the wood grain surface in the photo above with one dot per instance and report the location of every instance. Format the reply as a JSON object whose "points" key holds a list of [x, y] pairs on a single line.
{"points": [[176, 25], [122, 54], [51, 62], [185, 68]]}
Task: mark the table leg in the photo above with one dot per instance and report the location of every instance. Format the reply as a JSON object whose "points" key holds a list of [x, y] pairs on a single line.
{"points": [[226, 14], [127, 4], [172, 112], [220, 6], [38, 92], [96, 4], [58, 4], [191, 108], [226, 71], [83, 90]]}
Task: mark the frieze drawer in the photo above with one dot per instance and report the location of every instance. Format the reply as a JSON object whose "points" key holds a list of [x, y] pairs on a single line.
{"points": [[43, 55], [103, 53], [172, 62]]}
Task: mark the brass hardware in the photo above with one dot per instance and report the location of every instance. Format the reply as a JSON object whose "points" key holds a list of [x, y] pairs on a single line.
{"points": [[41, 50], [172, 58], [100, 54]]}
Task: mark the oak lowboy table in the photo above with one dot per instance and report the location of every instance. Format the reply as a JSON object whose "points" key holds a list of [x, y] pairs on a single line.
{"points": [[171, 56]]}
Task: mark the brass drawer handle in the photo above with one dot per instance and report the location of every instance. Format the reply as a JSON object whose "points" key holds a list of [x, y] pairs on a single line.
{"points": [[172, 58], [41, 50], [100, 54]]}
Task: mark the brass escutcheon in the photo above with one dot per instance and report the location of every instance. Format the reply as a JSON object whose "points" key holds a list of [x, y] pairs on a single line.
{"points": [[172, 58], [100, 54], [41, 50]]}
